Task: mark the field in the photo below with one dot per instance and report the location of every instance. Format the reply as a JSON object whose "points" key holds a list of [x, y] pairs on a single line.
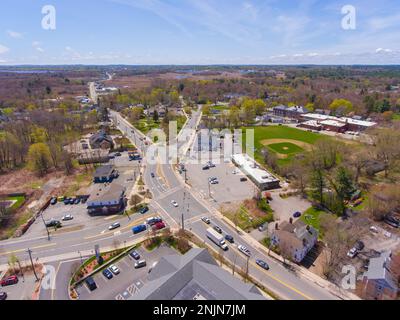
{"points": [[284, 141]]}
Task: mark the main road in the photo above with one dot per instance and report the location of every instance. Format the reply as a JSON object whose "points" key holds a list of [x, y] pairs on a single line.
{"points": [[166, 185]]}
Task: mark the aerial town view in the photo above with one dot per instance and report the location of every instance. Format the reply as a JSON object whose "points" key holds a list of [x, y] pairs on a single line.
{"points": [[199, 150]]}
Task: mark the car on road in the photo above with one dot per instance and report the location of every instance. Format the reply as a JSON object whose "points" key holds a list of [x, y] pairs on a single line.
{"points": [[118, 154], [297, 214], [229, 238], [235, 172], [3, 296], [114, 226], [108, 274], [214, 182], [9, 281], [210, 164], [206, 220], [218, 229], [212, 179], [243, 179], [67, 217], [352, 253], [144, 210], [53, 201], [152, 175], [114, 269], [53, 223], [134, 254], [206, 168], [140, 264], [174, 203], [262, 264], [244, 250]]}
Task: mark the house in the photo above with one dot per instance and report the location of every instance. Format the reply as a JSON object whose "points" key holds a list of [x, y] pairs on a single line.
{"points": [[295, 239], [379, 282], [194, 276], [108, 200], [104, 174], [161, 110], [101, 140]]}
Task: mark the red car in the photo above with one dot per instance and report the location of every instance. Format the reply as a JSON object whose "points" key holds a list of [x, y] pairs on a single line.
{"points": [[159, 226], [8, 281]]}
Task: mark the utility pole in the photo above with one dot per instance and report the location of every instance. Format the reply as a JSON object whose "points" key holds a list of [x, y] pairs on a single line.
{"points": [[33, 267], [80, 254], [47, 229]]}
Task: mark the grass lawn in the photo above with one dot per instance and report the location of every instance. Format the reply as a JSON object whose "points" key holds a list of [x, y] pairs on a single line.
{"points": [[146, 125], [396, 117], [312, 217], [280, 132], [19, 201], [285, 148], [246, 221]]}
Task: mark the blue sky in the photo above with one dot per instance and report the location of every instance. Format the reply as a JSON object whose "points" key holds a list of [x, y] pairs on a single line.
{"points": [[200, 32]]}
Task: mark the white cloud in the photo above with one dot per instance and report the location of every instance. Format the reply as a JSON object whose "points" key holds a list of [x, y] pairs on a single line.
{"points": [[3, 49], [36, 45], [382, 50], [15, 34]]}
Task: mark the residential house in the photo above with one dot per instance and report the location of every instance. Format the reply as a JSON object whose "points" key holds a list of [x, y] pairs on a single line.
{"points": [[295, 239], [101, 140]]}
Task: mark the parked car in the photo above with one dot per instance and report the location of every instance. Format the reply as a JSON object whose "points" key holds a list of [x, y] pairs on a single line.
{"points": [[77, 201], [134, 254], [114, 226], [229, 238], [262, 264], [83, 201], [114, 269], [53, 201], [374, 229], [153, 220], [118, 154], [67, 201], [243, 179], [91, 284], [218, 229], [3, 296], [67, 217], [206, 220], [206, 168], [244, 250], [144, 210], [138, 229], [140, 264], [352, 253], [108, 274], [263, 227], [214, 182], [9, 281], [174, 203], [392, 221], [153, 175], [210, 164], [212, 179], [297, 214], [53, 223], [159, 226], [359, 245]]}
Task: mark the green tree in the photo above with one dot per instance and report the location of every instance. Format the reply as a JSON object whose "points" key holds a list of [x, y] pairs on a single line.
{"points": [[39, 158], [317, 184], [341, 105]]}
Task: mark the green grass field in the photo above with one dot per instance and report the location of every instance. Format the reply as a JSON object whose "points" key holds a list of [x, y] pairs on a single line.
{"points": [[285, 148], [280, 132]]}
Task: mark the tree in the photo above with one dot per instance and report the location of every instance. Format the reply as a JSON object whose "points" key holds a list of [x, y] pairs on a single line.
{"points": [[39, 159], [317, 184], [155, 116], [341, 106]]}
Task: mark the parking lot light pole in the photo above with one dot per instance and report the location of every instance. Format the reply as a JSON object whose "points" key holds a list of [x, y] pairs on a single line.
{"points": [[80, 254], [33, 267], [47, 229]]}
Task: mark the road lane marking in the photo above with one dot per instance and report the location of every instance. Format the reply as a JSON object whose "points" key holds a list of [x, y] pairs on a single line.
{"points": [[33, 248], [112, 233]]}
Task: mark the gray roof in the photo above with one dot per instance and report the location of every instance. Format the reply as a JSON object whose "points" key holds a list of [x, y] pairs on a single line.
{"points": [[192, 276], [109, 195], [378, 269], [104, 171]]}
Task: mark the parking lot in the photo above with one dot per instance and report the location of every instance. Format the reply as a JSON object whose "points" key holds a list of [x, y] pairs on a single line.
{"points": [[81, 219], [229, 188], [128, 282], [23, 290]]}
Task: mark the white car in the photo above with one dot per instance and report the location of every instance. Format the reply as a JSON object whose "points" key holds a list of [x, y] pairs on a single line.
{"points": [[114, 226], [244, 250], [352, 253], [114, 269], [206, 220], [67, 217], [374, 229], [174, 203]]}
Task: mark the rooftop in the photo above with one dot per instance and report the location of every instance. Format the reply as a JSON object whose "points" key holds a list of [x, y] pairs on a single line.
{"points": [[251, 167]]}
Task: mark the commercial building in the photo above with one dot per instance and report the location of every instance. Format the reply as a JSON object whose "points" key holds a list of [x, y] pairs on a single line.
{"points": [[108, 200], [293, 112], [295, 240], [194, 276], [263, 179], [336, 124], [104, 174]]}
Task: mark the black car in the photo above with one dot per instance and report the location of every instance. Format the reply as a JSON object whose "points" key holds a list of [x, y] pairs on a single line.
{"points": [[108, 274], [392, 221], [134, 254], [229, 238], [218, 229], [152, 175], [83, 201], [77, 201], [3, 295], [359, 245], [206, 168], [144, 210], [91, 284], [243, 179], [53, 223], [67, 201], [262, 264], [53, 201]]}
